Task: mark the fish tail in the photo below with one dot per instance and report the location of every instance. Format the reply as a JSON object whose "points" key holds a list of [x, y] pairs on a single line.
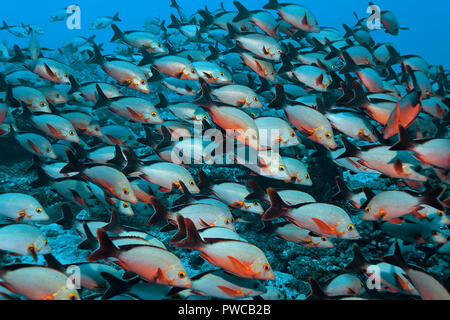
{"points": [[18, 55], [116, 17], [67, 220], [280, 97], [405, 142], [278, 207], [243, 13], [350, 149], [286, 64], [272, 4], [344, 192], [193, 239], [91, 242], [96, 57], [358, 262], [232, 32], [205, 181], [214, 53], [42, 179], [360, 97], [163, 102], [114, 225], [182, 232], [432, 197], [75, 86], [207, 18], [52, 262], [107, 248], [119, 158], [205, 99], [396, 258], [74, 164], [258, 192], [348, 31], [175, 22], [156, 75], [316, 292], [350, 64], [147, 140], [394, 56], [102, 100], [118, 34], [116, 286], [161, 211]]}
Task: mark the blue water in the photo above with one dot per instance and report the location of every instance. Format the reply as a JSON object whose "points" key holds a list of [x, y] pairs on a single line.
{"points": [[428, 23]]}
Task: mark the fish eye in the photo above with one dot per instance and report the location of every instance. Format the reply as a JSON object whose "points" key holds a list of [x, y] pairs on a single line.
{"points": [[31, 248], [222, 74], [350, 227], [367, 209], [307, 176], [142, 82], [328, 135], [253, 114], [279, 50], [57, 95], [66, 75], [255, 203], [125, 205], [192, 182], [126, 191], [323, 238], [38, 210], [440, 213], [48, 149], [205, 116], [42, 104], [293, 134], [266, 267], [154, 114], [434, 232], [71, 132], [281, 168], [255, 98], [159, 44], [192, 70], [181, 274], [227, 221], [97, 128], [45, 242], [72, 296]]}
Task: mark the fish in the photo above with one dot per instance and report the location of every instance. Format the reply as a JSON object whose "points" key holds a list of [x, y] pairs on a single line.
{"points": [[380, 207], [22, 207], [321, 218], [37, 282], [103, 22], [203, 215], [298, 16], [427, 286], [23, 239], [152, 263], [111, 180], [239, 258], [139, 39], [125, 73]]}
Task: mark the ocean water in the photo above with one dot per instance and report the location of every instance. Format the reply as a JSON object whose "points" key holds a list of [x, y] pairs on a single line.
{"points": [[293, 264]]}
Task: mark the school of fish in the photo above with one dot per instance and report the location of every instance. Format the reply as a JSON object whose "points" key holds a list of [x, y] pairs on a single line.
{"points": [[273, 83]]}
